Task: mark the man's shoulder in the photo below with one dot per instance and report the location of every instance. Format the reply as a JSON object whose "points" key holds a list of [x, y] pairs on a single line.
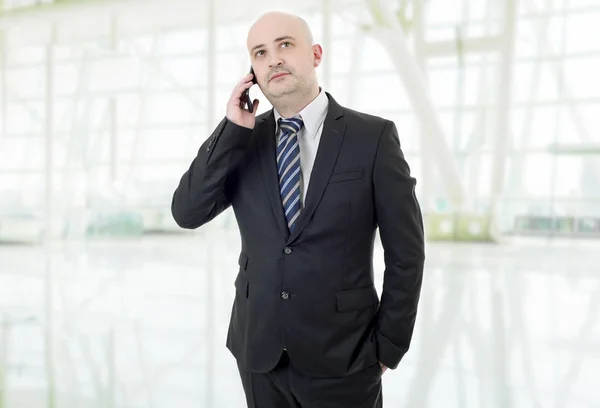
{"points": [[354, 114], [360, 121]]}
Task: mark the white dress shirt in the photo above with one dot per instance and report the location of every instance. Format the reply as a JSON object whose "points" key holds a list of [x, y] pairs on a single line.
{"points": [[313, 116]]}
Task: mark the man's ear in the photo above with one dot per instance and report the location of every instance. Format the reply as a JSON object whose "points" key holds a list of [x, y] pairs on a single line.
{"points": [[317, 54]]}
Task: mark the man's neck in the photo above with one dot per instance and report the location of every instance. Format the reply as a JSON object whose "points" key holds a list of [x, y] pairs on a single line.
{"points": [[291, 107]]}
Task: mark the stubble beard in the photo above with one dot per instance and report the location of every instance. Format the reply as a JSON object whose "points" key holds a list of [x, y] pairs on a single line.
{"points": [[290, 95], [286, 91]]}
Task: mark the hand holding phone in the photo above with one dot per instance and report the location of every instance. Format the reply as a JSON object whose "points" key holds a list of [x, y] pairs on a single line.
{"points": [[240, 108]]}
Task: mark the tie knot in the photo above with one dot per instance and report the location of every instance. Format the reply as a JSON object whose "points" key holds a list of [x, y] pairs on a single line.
{"points": [[293, 124]]}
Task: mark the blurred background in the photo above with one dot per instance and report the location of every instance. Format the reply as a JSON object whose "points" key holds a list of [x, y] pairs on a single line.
{"points": [[106, 303]]}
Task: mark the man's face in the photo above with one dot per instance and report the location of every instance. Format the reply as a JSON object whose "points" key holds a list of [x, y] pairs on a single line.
{"points": [[283, 59]]}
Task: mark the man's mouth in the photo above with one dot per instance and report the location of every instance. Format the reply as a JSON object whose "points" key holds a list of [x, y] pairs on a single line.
{"points": [[278, 75]]}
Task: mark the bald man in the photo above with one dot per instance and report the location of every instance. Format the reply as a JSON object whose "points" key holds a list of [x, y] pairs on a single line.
{"points": [[310, 182]]}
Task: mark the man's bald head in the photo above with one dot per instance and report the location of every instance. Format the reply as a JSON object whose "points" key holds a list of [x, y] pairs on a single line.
{"points": [[279, 18]]}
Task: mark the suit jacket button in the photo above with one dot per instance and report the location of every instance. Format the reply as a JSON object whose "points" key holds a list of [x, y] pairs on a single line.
{"points": [[285, 295], [287, 250]]}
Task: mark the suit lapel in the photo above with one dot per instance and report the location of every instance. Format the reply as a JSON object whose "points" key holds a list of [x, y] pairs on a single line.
{"points": [[327, 153], [266, 150]]}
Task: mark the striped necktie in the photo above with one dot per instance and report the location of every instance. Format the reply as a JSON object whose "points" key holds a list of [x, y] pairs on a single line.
{"points": [[288, 168]]}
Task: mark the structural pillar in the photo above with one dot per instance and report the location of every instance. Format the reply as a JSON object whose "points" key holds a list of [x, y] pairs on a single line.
{"points": [[391, 35], [502, 140]]}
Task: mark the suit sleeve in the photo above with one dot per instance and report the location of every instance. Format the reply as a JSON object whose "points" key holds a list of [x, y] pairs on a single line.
{"points": [[401, 231], [202, 191]]}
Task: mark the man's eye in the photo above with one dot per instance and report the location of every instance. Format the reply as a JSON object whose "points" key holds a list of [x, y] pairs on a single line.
{"points": [[287, 43], [259, 52]]}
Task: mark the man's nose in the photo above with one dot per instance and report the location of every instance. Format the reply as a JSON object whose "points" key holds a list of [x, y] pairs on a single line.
{"points": [[276, 61]]}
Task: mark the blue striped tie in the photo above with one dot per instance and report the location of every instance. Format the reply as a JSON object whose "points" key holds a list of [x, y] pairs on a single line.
{"points": [[288, 168]]}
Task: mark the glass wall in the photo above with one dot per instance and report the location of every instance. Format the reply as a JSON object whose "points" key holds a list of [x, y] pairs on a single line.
{"points": [[118, 104]]}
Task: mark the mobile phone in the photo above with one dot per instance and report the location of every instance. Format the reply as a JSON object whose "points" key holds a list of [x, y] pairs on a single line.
{"points": [[246, 95]]}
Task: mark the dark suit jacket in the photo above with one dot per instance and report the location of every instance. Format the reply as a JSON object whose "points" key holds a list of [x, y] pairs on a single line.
{"points": [[312, 291]]}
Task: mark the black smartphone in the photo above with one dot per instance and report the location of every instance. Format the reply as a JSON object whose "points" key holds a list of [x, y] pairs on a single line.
{"points": [[246, 95]]}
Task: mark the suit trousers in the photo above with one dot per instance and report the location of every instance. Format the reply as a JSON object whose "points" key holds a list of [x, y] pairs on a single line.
{"points": [[285, 387]]}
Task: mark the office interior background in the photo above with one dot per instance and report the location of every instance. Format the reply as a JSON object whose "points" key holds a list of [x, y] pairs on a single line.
{"points": [[106, 303]]}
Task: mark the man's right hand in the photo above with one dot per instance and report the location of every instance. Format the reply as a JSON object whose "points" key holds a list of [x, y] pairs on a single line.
{"points": [[236, 110]]}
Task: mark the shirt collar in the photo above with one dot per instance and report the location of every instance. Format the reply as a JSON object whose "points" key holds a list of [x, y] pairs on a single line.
{"points": [[312, 115]]}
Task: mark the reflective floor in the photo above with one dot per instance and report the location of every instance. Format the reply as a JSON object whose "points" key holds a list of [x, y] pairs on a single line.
{"points": [[142, 323]]}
